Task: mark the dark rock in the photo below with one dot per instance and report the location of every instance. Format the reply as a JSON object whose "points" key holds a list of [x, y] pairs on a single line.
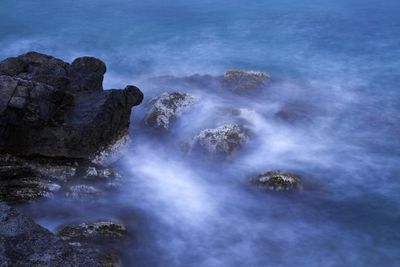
{"points": [[245, 81], [25, 243], [93, 232], [37, 67], [278, 181], [222, 141], [87, 73], [166, 108], [54, 109], [27, 180], [22, 184], [105, 236], [295, 112]]}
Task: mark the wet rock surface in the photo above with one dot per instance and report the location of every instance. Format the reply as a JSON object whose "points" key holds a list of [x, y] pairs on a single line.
{"points": [[28, 180], [222, 141], [244, 81], [55, 109], [92, 232], [25, 243], [20, 183], [166, 108], [102, 235], [278, 181]]}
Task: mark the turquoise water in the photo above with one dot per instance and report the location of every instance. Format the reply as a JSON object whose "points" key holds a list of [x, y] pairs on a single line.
{"points": [[338, 61]]}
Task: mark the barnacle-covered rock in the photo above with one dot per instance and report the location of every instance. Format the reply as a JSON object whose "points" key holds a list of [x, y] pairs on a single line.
{"points": [[278, 181], [223, 141], [243, 81], [166, 108]]}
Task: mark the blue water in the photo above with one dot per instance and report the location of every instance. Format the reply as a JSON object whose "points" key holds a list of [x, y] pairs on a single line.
{"points": [[337, 60]]}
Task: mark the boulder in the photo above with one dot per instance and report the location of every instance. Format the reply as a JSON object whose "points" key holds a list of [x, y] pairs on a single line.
{"points": [[244, 81], [25, 243], [222, 141], [54, 109], [166, 108], [278, 181]]}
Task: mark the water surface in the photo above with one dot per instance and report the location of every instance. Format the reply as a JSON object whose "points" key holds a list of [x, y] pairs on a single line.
{"points": [[337, 62]]}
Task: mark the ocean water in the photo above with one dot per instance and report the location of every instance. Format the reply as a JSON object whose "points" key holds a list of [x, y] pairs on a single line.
{"points": [[336, 63]]}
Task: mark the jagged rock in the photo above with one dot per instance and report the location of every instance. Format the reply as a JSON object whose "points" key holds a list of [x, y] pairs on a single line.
{"points": [[54, 109], [92, 232], [27, 180], [82, 191], [278, 181], [223, 141], [22, 184], [25, 243], [166, 108], [244, 81]]}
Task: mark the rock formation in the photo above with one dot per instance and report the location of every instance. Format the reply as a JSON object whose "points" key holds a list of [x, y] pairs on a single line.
{"points": [[51, 108], [24, 243]]}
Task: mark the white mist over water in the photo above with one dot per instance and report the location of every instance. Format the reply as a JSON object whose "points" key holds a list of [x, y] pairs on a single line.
{"points": [[334, 66]]}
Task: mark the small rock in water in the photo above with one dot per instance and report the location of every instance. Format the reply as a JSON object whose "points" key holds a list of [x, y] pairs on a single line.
{"points": [[223, 141], [166, 108], [278, 181], [243, 81]]}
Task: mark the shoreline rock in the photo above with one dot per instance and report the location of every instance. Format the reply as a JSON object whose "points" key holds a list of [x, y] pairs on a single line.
{"points": [[51, 108], [25, 243], [28, 180]]}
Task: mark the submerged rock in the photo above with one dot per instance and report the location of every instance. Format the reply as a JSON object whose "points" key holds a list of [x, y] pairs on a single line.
{"points": [[243, 81], [223, 141], [82, 191], [278, 181], [166, 108], [54, 109], [25, 243]]}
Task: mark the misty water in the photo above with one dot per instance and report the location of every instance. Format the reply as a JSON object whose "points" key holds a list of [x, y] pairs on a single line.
{"points": [[334, 64]]}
